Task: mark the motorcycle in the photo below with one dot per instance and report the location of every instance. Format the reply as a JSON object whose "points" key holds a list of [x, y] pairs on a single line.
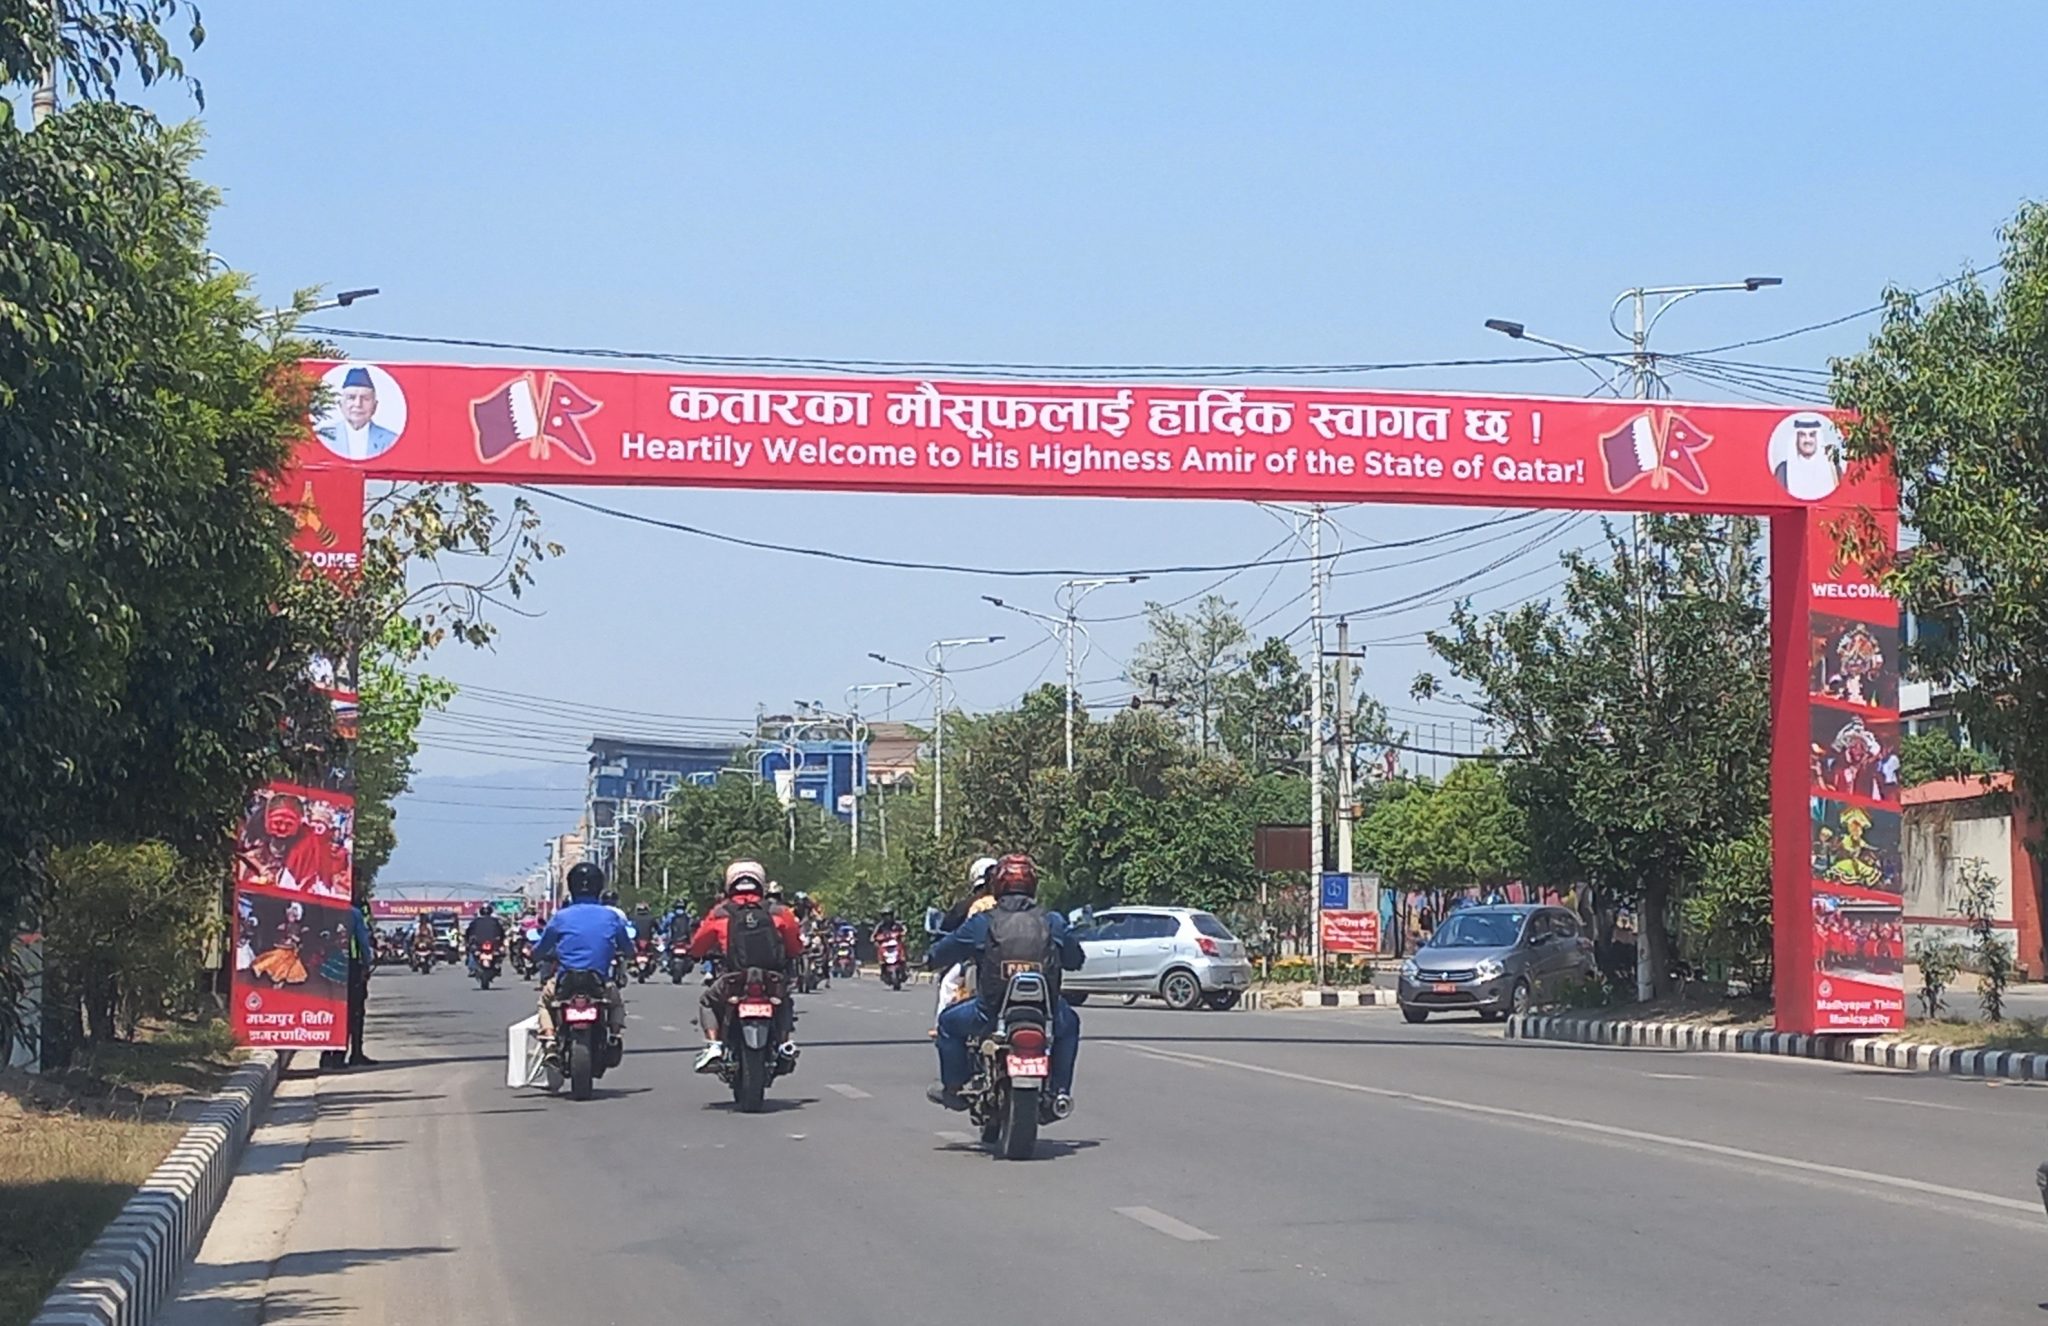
{"points": [[522, 954], [643, 959], [844, 964], [678, 963], [889, 954], [753, 1025], [585, 1044], [1007, 1095], [810, 974], [489, 962], [422, 959]]}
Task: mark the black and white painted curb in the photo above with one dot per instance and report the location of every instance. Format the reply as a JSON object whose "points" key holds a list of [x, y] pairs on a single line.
{"points": [[131, 1268], [1877, 1051], [1368, 997]]}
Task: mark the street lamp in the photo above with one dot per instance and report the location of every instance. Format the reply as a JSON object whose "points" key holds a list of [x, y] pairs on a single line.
{"points": [[859, 733], [343, 299], [1068, 597], [936, 674]]}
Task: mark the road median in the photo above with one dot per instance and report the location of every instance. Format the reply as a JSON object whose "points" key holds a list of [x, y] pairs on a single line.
{"points": [[1873, 1051]]}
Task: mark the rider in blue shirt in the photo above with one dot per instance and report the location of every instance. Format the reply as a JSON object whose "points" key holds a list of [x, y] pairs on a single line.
{"points": [[1015, 884], [585, 935]]}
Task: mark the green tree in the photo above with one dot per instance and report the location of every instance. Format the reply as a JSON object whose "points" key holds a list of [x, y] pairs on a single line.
{"points": [[1726, 915], [701, 830], [1190, 657], [1639, 708], [1949, 391], [122, 928], [1928, 757], [155, 641], [1262, 714]]}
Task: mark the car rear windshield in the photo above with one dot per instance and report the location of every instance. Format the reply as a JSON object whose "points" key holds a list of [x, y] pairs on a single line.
{"points": [[1208, 925]]}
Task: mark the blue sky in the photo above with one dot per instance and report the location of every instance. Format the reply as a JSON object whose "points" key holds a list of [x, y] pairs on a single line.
{"points": [[1078, 183]]}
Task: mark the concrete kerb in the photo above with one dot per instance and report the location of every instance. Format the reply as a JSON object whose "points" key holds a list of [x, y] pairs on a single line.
{"points": [[1363, 997], [129, 1270], [1875, 1051]]}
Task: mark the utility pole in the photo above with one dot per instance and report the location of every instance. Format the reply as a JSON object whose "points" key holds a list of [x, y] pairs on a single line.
{"points": [[936, 675], [1345, 743], [43, 104], [1315, 723], [858, 731]]}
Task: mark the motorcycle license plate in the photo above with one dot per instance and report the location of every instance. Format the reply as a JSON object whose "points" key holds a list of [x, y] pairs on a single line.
{"points": [[1030, 1065], [1445, 987], [574, 1014], [756, 1008]]}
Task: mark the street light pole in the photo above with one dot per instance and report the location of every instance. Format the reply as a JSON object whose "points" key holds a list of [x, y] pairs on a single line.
{"points": [[936, 676], [1062, 628], [1646, 384], [860, 782]]}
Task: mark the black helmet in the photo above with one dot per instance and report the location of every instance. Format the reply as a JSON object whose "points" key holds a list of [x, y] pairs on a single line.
{"points": [[610, 898], [585, 880]]}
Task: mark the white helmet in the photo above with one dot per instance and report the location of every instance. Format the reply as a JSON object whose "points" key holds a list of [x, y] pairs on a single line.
{"points": [[744, 870], [979, 874]]}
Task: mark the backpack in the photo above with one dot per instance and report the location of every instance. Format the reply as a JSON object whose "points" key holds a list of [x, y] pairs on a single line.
{"points": [[751, 940], [1019, 939]]}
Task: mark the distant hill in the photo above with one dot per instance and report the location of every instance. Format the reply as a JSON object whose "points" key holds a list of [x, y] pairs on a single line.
{"points": [[484, 827]]}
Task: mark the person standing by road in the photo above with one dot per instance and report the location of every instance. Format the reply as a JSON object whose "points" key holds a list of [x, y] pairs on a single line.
{"points": [[362, 957]]}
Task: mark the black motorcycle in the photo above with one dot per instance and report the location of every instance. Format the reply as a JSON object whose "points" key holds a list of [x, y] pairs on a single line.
{"points": [[1007, 1095], [811, 969], [754, 1024], [679, 963], [585, 1042], [487, 962], [421, 958]]}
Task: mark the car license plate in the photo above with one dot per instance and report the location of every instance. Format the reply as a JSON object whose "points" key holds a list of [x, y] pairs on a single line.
{"points": [[1030, 1065], [580, 1014], [1445, 987], [756, 1008]]}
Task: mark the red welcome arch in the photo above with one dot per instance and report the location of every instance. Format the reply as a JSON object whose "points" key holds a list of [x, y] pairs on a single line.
{"points": [[1834, 635]]}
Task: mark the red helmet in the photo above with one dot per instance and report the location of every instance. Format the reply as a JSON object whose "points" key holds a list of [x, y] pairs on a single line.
{"points": [[1015, 874]]}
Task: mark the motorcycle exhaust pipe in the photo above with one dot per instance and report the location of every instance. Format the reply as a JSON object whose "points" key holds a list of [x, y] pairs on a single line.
{"points": [[1062, 1106]]}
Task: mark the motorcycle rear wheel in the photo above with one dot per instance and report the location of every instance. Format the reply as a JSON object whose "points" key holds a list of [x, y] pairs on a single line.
{"points": [[582, 1067], [484, 978], [1017, 1124], [750, 1082]]}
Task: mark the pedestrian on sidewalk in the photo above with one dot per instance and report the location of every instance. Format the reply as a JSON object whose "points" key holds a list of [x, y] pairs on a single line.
{"points": [[362, 955]]}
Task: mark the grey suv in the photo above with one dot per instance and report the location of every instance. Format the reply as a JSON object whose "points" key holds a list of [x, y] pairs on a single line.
{"points": [[1495, 960], [1180, 954]]}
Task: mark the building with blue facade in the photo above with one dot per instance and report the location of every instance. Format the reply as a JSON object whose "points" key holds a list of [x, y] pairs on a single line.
{"points": [[625, 771]]}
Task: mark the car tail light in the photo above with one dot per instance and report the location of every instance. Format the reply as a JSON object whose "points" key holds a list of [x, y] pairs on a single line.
{"points": [[1207, 944], [1028, 1040]]}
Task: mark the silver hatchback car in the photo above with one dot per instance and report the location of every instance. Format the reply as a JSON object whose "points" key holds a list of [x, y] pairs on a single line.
{"points": [[1180, 954], [1496, 961]]}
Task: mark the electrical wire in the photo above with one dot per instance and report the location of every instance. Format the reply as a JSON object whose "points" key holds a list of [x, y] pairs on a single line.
{"points": [[1846, 317], [951, 568], [999, 369]]}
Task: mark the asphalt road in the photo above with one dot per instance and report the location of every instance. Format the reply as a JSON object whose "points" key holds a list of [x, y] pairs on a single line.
{"points": [[1302, 1166]]}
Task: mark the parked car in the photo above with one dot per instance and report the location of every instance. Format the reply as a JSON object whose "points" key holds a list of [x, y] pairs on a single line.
{"points": [[1180, 954], [1495, 960]]}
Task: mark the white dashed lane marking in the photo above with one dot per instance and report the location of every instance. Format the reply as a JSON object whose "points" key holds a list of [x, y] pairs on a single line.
{"points": [[1166, 1224], [850, 1092], [955, 1139]]}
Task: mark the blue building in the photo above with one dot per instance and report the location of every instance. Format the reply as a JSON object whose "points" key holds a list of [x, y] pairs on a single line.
{"points": [[624, 770], [825, 773]]}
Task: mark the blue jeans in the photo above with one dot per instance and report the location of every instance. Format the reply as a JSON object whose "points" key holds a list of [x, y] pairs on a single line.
{"points": [[968, 1019]]}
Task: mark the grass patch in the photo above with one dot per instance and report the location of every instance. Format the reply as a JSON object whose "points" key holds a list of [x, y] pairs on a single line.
{"points": [[2027, 1035], [75, 1145], [1697, 1010]]}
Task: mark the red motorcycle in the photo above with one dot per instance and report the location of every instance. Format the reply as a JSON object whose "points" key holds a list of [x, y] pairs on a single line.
{"points": [[890, 955], [644, 959]]}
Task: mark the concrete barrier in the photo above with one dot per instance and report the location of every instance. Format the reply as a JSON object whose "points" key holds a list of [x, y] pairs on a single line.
{"points": [[1876, 1051], [128, 1272]]}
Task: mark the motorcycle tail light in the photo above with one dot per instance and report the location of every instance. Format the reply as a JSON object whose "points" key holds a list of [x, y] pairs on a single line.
{"points": [[1028, 1040], [755, 990]]}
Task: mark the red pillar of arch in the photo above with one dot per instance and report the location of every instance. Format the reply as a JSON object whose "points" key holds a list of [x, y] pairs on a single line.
{"points": [[1835, 645]]}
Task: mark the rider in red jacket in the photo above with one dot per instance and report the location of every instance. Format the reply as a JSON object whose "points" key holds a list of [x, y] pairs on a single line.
{"points": [[744, 887]]}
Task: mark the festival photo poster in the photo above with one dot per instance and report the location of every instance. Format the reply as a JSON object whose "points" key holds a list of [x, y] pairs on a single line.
{"points": [[291, 971]]}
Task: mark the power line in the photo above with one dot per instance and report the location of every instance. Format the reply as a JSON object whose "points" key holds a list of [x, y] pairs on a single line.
{"points": [[984, 368], [1846, 317], [951, 568]]}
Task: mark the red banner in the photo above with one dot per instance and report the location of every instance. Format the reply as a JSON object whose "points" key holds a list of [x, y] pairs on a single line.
{"points": [[1351, 932], [575, 425], [401, 909]]}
